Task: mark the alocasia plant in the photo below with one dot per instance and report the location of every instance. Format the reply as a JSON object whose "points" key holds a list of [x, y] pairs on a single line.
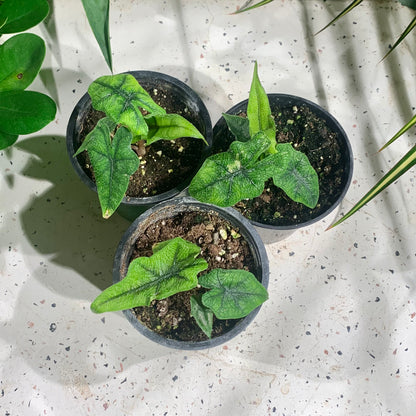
{"points": [[174, 268], [132, 116], [254, 157], [21, 56]]}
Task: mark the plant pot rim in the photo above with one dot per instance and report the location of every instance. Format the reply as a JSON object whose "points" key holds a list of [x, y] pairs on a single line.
{"points": [[342, 137], [175, 206], [142, 76]]}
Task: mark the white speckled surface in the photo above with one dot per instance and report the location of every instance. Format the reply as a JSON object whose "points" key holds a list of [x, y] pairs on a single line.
{"points": [[338, 334]]}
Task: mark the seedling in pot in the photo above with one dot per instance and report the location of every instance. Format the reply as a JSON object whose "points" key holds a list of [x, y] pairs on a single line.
{"points": [[173, 268], [254, 157], [132, 119]]}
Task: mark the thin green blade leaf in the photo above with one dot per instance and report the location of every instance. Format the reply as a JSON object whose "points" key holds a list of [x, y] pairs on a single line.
{"points": [[20, 15], [295, 175], [170, 127], [351, 6], [121, 97], [226, 178], [402, 36], [404, 164], [234, 293], [246, 7], [7, 139], [98, 12], [113, 161], [171, 269], [403, 130], [203, 316], [259, 113], [24, 112], [21, 57], [239, 127]]}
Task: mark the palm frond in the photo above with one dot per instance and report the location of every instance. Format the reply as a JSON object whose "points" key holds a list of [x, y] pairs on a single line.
{"points": [[246, 6], [402, 36], [403, 130], [354, 4], [398, 170]]}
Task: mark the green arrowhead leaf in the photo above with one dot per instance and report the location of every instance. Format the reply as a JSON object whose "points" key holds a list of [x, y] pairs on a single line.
{"points": [[170, 127], [239, 127], [97, 12], [113, 161], [259, 113], [234, 293], [121, 97], [24, 112], [226, 178], [203, 316], [21, 15], [7, 140], [171, 269], [294, 174], [20, 60]]}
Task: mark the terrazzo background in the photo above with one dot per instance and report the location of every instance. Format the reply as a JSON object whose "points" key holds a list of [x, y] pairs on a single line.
{"points": [[338, 334]]}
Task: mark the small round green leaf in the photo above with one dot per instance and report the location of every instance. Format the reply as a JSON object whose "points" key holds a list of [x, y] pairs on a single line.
{"points": [[20, 60], [21, 15], [24, 112], [7, 140]]}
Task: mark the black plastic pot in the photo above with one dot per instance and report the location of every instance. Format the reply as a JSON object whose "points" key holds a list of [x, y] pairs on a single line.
{"points": [[222, 137], [170, 209], [131, 207]]}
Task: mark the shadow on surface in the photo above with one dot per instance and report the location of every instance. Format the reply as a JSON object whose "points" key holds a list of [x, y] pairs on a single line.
{"points": [[52, 328], [65, 220]]}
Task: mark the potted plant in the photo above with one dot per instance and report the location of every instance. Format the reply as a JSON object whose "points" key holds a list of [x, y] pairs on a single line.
{"points": [[129, 138], [156, 267], [289, 162]]}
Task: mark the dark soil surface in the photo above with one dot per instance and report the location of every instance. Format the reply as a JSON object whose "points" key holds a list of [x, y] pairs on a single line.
{"points": [[221, 246], [166, 163], [311, 135]]}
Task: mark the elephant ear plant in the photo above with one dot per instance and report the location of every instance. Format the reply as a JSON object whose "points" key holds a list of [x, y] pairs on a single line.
{"points": [[254, 157], [131, 118], [173, 268]]}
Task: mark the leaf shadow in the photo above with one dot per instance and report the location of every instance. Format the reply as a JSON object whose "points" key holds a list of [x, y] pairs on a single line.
{"points": [[64, 222]]}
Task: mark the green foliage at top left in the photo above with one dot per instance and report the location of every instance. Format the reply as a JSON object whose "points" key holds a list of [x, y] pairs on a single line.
{"points": [[21, 57]]}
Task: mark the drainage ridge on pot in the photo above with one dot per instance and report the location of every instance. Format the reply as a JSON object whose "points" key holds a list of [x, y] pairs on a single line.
{"points": [[223, 137], [131, 207], [170, 209]]}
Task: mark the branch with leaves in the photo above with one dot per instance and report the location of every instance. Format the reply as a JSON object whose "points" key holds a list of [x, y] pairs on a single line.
{"points": [[21, 57]]}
